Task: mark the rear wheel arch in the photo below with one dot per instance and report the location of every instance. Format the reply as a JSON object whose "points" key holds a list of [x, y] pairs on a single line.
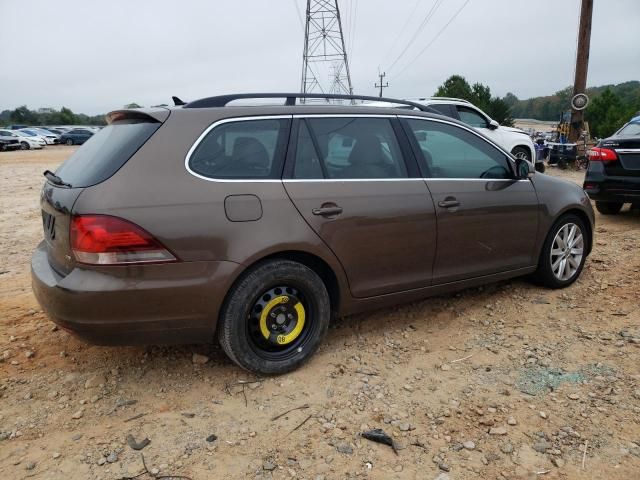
{"points": [[315, 263], [312, 261]]}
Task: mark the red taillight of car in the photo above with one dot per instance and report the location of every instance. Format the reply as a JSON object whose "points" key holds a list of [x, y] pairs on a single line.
{"points": [[107, 240], [597, 154]]}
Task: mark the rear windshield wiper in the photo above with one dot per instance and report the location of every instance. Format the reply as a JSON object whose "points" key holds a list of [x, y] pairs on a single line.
{"points": [[56, 180]]}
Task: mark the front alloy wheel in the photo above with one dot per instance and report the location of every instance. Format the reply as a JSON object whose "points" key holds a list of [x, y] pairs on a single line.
{"points": [[563, 253], [567, 251]]}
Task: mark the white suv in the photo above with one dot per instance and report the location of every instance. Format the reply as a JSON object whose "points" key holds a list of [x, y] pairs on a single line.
{"points": [[513, 140]]}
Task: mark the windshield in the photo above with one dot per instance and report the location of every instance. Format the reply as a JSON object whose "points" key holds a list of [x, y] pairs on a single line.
{"points": [[631, 129], [105, 152], [29, 133], [23, 134]]}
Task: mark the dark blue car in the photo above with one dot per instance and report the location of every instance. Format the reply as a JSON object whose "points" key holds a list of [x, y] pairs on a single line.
{"points": [[76, 136]]}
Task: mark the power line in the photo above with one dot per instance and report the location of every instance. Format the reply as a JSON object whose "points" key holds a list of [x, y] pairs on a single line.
{"points": [[404, 27], [434, 39], [415, 35]]}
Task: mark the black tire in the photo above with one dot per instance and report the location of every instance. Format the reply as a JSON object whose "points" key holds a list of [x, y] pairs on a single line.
{"points": [[237, 327], [69, 141], [24, 146], [521, 152], [609, 208], [544, 274]]}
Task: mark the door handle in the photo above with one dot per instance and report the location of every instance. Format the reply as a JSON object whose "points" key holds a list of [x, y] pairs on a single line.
{"points": [[327, 211], [449, 203]]}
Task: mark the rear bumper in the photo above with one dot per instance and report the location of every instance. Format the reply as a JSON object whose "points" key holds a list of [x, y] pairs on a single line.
{"points": [[604, 188], [143, 304]]}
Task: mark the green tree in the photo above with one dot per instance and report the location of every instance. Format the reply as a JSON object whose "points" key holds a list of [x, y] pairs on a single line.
{"points": [[67, 117], [606, 114], [22, 115], [132, 105], [510, 99], [455, 86], [500, 111]]}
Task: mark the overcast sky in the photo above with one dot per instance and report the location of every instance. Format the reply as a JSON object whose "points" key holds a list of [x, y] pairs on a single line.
{"points": [[95, 56]]}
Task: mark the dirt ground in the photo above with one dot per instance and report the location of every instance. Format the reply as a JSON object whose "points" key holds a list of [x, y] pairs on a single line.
{"points": [[509, 381]]}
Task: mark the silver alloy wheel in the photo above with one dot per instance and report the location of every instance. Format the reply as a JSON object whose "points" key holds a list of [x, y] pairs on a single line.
{"points": [[566, 251], [523, 155]]}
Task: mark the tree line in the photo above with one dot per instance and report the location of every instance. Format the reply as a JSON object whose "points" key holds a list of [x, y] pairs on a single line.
{"points": [[610, 106], [24, 116]]}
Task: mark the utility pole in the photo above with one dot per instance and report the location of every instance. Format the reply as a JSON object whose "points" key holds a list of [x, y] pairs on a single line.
{"points": [[582, 64], [324, 48], [382, 85]]}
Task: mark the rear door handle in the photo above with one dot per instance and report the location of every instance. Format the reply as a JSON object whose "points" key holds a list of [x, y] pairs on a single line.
{"points": [[327, 211], [449, 203]]}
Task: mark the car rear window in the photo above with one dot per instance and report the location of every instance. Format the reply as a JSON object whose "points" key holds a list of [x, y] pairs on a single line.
{"points": [[105, 152]]}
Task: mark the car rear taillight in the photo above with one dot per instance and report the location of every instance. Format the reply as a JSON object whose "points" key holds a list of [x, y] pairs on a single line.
{"points": [[107, 240], [597, 154]]}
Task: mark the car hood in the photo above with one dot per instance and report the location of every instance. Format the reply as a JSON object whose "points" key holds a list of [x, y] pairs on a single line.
{"points": [[514, 130]]}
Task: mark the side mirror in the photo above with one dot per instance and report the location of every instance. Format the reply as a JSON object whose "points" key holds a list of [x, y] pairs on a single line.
{"points": [[524, 169], [493, 124]]}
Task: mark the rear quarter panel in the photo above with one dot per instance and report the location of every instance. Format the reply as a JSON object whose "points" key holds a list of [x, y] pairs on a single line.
{"points": [[187, 214]]}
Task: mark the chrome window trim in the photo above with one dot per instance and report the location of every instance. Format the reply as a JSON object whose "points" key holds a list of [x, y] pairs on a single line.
{"points": [[339, 115], [221, 122]]}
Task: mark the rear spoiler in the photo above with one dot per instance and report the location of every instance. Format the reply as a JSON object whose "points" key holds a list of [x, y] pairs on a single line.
{"points": [[153, 115]]}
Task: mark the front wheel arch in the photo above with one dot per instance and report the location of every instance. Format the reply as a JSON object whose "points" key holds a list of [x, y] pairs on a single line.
{"points": [[570, 211], [530, 152]]}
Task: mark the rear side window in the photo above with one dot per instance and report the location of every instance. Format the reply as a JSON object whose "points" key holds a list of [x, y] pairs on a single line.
{"points": [[105, 152], [348, 148], [453, 152], [443, 109], [247, 149]]}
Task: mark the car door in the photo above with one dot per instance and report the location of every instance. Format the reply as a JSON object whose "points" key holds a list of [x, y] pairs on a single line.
{"points": [[360, 190], [487, 219]]}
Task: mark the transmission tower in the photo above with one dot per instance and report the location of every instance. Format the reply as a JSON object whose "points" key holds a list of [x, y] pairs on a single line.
{"points": [[324, 53]]}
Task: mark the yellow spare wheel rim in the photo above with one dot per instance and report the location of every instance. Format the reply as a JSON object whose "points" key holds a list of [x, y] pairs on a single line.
{"points": [[281, 316]]}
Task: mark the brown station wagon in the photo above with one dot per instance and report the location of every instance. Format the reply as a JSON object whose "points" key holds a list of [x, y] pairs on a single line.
{"points": [[256, 224]]}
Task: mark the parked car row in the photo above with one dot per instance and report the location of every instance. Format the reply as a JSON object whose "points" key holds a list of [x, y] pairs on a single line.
{"points": [[27, 138]]}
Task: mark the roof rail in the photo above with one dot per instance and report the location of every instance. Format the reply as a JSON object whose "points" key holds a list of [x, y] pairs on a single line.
{"points": [[446, 98], [290, 99]]}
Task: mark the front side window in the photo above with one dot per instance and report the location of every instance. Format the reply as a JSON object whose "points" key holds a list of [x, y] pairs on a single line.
{"points": [[348, 148], [248, 149], [472, 117], [449, 151]]}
